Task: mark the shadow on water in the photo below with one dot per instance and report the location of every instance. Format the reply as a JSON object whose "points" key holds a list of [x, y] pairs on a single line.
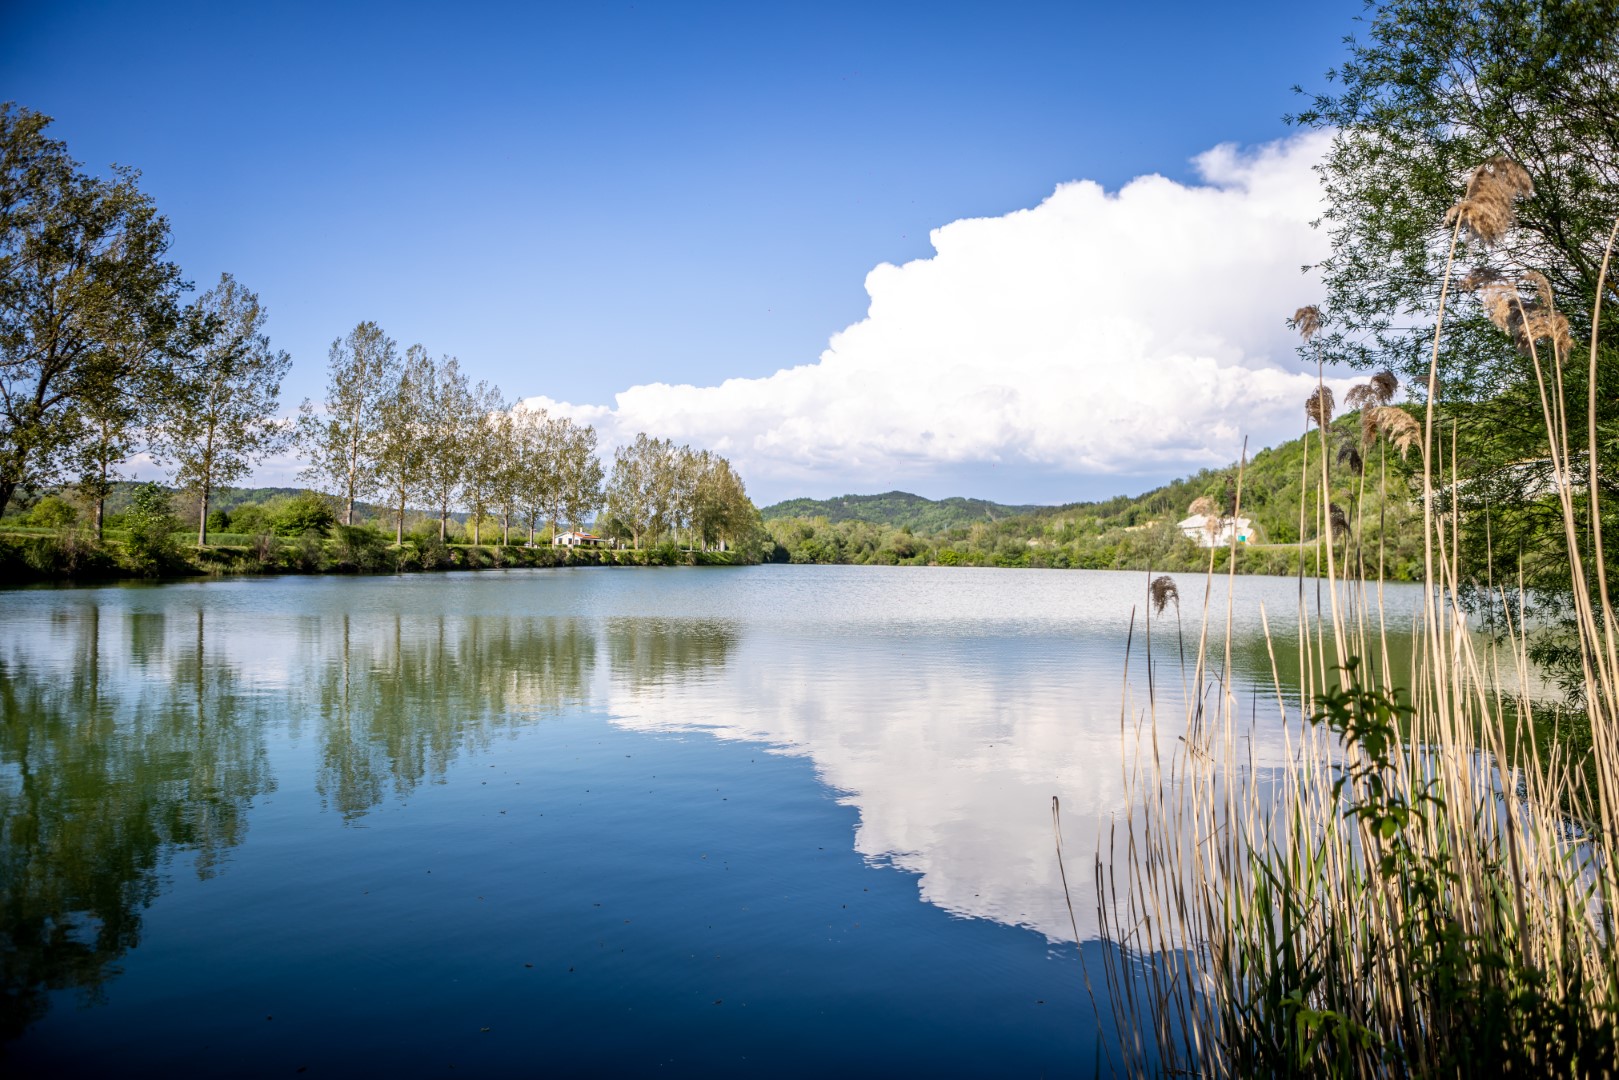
{"points": [[102, 784]]}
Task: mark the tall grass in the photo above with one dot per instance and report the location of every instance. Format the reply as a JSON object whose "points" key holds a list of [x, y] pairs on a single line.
{"points": [[1421, 888]]}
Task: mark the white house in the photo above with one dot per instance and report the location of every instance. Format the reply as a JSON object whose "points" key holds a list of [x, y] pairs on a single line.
{"points": [[1211, 531], [579, 539]]}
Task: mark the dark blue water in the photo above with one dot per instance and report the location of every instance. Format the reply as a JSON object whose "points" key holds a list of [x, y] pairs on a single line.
{"points": [[779, 820]]}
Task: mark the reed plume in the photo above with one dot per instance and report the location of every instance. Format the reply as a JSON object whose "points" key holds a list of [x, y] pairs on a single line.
{"points": [[1386, 386], [1534, 319], [1162, 591], [1201, 505], [1338, 519], [1396, 425], [1360, 395], [1307, 321], [1348, 455], [1486, 210], [1318, 406]]}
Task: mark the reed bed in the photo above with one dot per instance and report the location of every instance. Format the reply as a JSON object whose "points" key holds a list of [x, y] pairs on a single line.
{"points": [[1421, 887]]}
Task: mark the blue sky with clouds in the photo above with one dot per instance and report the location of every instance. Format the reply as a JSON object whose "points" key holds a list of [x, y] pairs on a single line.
{"points": [[586, 203]]}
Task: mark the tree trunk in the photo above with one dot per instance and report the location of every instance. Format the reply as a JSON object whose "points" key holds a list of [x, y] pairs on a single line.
{"points": [[443, 523], [505, 530], [202, 516], [399, 521], [477, 528], [101, 500]]}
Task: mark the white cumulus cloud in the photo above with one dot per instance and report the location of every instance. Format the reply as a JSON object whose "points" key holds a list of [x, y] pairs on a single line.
{"points": [[1098, 338]]}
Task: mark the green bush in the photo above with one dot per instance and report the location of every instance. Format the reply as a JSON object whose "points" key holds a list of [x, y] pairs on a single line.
{"points": [[149, 524], [53, 512], [303, 515]]}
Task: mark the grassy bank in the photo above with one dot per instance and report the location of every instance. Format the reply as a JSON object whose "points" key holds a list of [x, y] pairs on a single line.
{"points": [[35, 555]]}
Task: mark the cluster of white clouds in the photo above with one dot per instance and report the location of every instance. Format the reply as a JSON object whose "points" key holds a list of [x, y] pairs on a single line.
{"points": [[1131, 334]]}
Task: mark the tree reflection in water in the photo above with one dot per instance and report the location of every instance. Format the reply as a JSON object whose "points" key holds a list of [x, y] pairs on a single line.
{"points": [[104, 778], [127, 739]]}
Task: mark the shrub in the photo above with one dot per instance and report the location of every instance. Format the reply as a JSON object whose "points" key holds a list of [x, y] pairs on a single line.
{"points": [[304, 515], [53, 512], [150, 525]]}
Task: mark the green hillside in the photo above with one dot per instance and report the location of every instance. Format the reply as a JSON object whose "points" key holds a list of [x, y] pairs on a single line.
{"points": [[899, 509], [1127, 532]]}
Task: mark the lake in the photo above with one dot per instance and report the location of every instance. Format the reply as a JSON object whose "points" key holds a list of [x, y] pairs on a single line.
{"points": [[770, 820]]}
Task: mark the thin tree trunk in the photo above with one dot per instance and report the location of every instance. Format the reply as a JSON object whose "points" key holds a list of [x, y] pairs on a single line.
{"points": [[202, 517], [101, 501], [399, 521], [443, 524]]}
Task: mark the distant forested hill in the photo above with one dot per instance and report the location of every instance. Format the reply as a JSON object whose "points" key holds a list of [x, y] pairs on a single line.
{"points": [[900, 510], [1126, 532]]}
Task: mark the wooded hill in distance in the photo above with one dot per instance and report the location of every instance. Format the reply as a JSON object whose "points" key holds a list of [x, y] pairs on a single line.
{"points": [[900, 509], [1125, 532]]}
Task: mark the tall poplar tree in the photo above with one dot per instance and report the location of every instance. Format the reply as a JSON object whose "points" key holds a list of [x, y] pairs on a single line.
{"points": [[216, 417], [482, 450], [340, 437], [401, 447], [447, 402]]}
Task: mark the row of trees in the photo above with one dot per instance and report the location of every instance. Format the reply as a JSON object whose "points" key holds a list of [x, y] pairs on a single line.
{"points": [[100, 359], [408, 430]]}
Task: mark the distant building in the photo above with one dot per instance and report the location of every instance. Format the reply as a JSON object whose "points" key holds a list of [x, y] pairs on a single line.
{"points": [[579, 539], [1209, 531]]}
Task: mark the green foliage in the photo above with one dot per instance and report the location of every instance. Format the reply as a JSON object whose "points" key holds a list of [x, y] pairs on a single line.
{"points": [[360, 547], [218, 522], [305, 514], [87, 299], [53, 512], [149, 524]]}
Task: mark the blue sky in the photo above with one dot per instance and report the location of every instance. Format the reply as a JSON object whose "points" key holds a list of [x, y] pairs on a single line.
{"points": [[581, 199]]}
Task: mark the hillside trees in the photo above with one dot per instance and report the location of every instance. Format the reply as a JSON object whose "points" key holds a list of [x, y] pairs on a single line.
{"points": [[86, 292], [340, 436], [216, 416]]}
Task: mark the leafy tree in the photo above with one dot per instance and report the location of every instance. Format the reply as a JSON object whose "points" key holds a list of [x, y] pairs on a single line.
{"points": [[81, 264], [1434, 89], [579, 472], [447, 403], [483, 450], [340, 438], [217, 416], [533, 475], [401, 448]]}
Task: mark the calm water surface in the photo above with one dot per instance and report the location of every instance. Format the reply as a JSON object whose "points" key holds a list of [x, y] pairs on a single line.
{"points": [[774, 820]]}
